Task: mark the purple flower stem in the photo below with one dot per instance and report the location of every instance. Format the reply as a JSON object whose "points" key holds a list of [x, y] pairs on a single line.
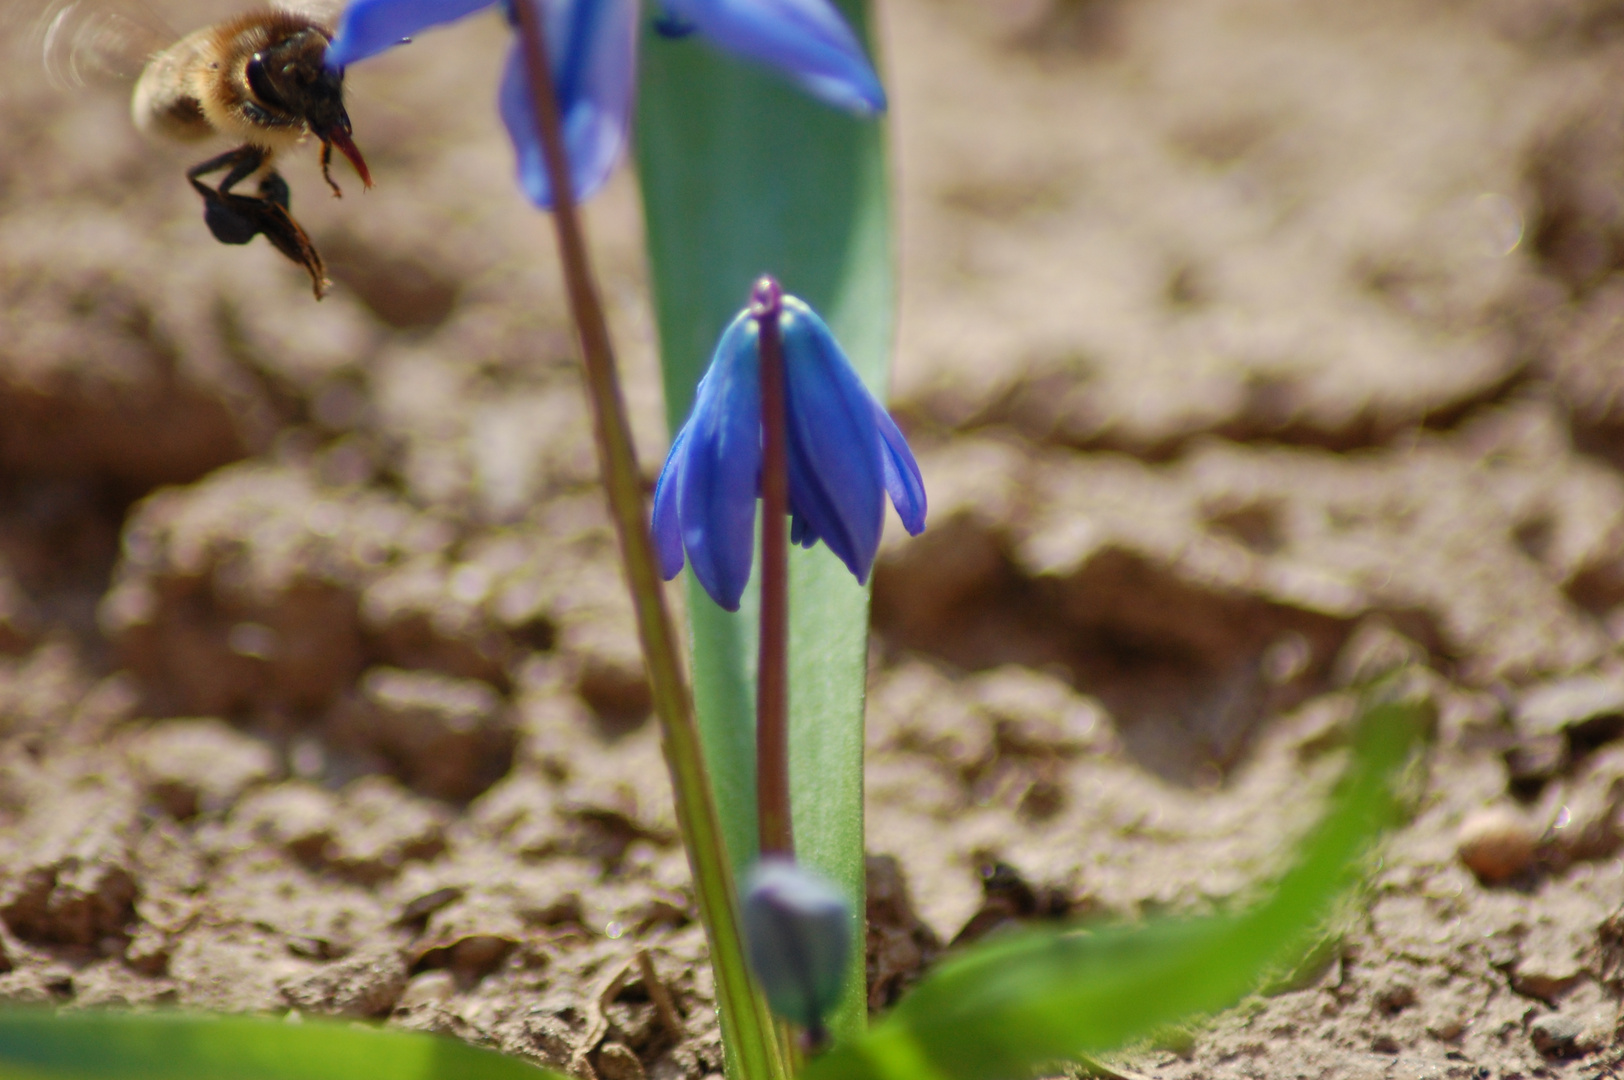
{"points": [[745, 1014], [772, 670]]}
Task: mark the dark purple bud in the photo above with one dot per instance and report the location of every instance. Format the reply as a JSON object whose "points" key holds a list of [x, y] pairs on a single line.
{"points": [[797, 927]]}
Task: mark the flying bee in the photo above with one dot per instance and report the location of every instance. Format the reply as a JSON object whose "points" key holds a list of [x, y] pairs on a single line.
{"points": [[260, 79]]}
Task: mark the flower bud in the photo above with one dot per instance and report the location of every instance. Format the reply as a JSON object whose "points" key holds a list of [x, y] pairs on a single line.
{"points": [[797, 928]]}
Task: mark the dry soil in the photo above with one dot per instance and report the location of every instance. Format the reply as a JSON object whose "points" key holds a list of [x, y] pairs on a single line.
{"points": [[1248, 347]]}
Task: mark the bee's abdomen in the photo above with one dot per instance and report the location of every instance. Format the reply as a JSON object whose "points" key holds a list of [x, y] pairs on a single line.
{"points": [[165, 102]]}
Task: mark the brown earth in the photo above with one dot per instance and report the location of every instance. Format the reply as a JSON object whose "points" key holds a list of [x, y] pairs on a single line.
{"points": [[1248, 347]]}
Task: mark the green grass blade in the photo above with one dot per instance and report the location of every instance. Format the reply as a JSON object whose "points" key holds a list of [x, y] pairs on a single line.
{"points": [[36, 1044], [743, 175], [1013, 1006]]}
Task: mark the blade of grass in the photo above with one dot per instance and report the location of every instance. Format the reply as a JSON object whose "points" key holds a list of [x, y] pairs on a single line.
{"points": [[744, 175], [1016, 1005], [36, 1044]]}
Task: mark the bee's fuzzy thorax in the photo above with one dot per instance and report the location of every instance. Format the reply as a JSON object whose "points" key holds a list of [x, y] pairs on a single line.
{"points": [[221, 85]]}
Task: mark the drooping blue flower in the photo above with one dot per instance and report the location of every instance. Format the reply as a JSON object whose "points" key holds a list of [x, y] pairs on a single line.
{"points": [[592, 51], [845, 455]]}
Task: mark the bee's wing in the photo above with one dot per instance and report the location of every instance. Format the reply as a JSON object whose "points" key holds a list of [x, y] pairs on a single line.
{"points": [[81, 41], [325, 12]]}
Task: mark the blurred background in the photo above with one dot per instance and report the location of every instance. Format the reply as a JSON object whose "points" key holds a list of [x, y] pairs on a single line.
{"points": [[1249, 347]]}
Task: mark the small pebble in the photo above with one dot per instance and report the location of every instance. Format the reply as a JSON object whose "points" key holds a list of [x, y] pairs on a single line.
{"points": [[429, 988], [1561, 1035], [1496, 843], [616, 1061]]}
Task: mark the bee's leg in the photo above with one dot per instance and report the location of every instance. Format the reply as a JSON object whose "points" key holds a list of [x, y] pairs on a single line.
{"points": [[326, 163], [231, 218], [274, 188], [242, 215], [280, 229], [241, 162], [237, 219]]}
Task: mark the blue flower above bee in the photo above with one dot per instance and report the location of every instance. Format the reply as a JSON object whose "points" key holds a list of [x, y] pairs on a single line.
{"points": [[845, 455], [592, 47]]}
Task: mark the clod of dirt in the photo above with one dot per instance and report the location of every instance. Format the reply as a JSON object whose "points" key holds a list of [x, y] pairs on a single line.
{"points": [[295, 817], [1558, 946], [366, 833], [1205, 311], [469, 937], [427, 989], [518, 813], [1034, 714], [900, 945], [148, 951], [1582, 364], [1374, 650], [1534, 761], [218, 624], [1158, 229], [1584, 1024], [1182, 633], [612, 678], [446, 737], [427, 613], [1497, 844], [596, 626], [918, 711], [1007, 899], [381, 828], [71, 902], [421, 906], [362, 984], [68, 874], [50, 691], [93, 382], [1561, 1035], [1578, 701], [1397, 997], [200, 765], [1589, 822], [397, 286], [616, 1061], [1579, 232]]}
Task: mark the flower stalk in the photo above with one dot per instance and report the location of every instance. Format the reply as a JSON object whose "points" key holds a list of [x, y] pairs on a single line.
{"points": [[755, 1052], [772, 672]]}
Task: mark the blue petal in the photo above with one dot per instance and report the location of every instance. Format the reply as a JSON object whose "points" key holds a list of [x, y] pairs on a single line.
{"points": [[592, 47], [666, 524], [721, 467], [368, 27], [836, 475], [805, 39], [902, 480]]}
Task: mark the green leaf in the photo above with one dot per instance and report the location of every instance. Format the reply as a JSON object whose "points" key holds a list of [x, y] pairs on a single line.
{"points": [[742, 175], [36, 1044], [1019, 1004]]}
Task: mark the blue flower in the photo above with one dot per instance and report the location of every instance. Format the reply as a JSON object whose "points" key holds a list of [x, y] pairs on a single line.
{"points": [[845, 455], [592, 51]]}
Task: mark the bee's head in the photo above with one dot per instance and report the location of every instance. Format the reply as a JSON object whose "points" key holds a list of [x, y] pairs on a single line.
{"points": [[291, 76]]}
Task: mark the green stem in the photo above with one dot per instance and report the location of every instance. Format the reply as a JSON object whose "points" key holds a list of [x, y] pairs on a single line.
{"points": [[772, 669], [746, 1019]]}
